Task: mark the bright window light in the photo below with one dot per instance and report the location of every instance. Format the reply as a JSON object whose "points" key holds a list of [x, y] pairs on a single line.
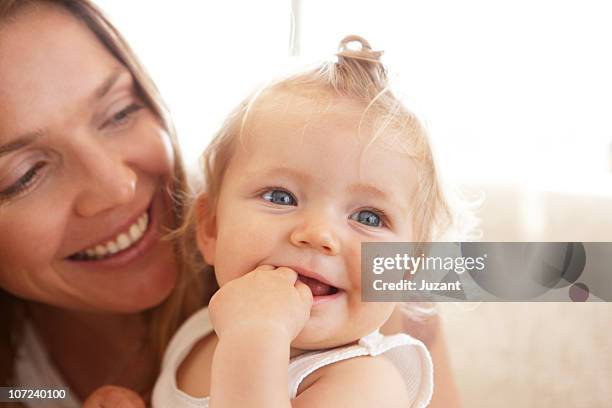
{"points": [[205, 56], [515, 90], [507, 89]]}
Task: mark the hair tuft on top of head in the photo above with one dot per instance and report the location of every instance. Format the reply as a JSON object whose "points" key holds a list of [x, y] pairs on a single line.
{"points": [[364, 52], [361, 63]]}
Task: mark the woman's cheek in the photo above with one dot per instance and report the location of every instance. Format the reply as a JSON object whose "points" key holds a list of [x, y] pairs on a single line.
{"points": [[28, 246], [165, 153], [168, 149], [151, 150]]}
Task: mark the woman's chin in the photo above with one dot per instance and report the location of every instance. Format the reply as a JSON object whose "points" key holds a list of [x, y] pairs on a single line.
{"points": [[145, 295], [128, 292]]}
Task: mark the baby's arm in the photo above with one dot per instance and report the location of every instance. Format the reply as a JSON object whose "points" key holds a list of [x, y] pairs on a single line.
{"points": [[250, 370], [357, 382], [256, 317]]}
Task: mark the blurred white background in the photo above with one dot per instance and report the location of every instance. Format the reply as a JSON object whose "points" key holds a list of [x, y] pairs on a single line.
{"points": [[517, 99], [519, 91]]}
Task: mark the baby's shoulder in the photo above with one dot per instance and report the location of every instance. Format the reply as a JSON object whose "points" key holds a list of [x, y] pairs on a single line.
{"points": [[187, 356], [193, 373], [191, 351], [359, 381]]}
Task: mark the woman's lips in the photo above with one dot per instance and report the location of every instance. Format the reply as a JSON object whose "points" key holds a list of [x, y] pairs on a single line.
{"points": [[123, 257], [122, 241]]}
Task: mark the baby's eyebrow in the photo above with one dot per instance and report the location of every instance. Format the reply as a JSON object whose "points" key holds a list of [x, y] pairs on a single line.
{"points": [[373, 190], [285, 171], [359, 188], [369, 189]]}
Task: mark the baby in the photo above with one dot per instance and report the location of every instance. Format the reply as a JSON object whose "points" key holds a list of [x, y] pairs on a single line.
{"points": [[299, 176]]}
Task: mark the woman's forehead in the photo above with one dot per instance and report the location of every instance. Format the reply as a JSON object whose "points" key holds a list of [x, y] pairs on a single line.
{"points": [[51, 63]]}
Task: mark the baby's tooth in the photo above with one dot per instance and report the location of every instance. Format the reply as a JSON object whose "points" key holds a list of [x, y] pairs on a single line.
{"points": [[135, 232], [100, 250], [123, 241], [91, 252], [112, 247]]}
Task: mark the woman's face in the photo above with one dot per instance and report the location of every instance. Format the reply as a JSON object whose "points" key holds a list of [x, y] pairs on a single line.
{"points": [[83, 167]]}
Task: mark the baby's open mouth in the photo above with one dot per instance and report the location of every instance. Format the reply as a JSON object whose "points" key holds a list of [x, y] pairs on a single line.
{"points": [[317, 287]]}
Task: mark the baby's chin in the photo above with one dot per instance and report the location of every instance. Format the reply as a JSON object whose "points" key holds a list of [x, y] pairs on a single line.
{"points": [[321, 333], [341, 322]]}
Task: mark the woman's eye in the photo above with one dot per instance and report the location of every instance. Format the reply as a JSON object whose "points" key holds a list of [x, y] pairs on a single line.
{"points": [[280, 197], [122, 116], [23, 183], [368, 217]]}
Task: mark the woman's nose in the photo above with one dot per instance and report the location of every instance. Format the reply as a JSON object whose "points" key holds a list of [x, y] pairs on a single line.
{"points": [[318, 234], [108, 182]]}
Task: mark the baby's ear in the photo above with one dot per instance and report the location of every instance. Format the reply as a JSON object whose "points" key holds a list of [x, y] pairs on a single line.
{"points": [[206, 228]]}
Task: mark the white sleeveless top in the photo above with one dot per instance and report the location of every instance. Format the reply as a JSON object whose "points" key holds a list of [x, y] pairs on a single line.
{"points": [[408, 354], [33, 369]]}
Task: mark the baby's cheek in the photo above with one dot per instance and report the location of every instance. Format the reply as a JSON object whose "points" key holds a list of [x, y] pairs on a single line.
{"points": [[375, 314], [354, 265], [235, 256]]}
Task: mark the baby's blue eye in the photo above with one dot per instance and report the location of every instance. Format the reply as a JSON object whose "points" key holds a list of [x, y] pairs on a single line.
{"points": [[280, 197], [367, 217]]}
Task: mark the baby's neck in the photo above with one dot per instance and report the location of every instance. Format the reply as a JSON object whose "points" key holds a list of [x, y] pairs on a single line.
{"points": [[295, 352]]}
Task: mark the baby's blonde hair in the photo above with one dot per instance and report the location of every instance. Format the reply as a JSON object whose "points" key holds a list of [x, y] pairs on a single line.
{"points": [[358, 74]]}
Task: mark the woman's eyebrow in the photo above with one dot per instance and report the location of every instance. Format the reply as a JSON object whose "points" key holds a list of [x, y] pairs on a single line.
{"points": [[20, 142], [100, 91], [109, 82]]}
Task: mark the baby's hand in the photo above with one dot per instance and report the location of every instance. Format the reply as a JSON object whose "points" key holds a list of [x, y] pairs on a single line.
{"points": [[112, 396], [265, 299]]}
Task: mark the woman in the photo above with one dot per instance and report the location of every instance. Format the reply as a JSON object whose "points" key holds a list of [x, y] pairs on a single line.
{"points": [[90, 179], [87, 153]]}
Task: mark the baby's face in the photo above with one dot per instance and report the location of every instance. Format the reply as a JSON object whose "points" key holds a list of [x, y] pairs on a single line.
{"points": [[304, 193]]}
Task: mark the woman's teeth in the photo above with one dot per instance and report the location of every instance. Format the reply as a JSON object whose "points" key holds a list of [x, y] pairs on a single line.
{"points": [[121, 242]]}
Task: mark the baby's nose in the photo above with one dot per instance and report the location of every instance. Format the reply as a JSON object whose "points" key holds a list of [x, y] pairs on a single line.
{"points": [[318, 235]]}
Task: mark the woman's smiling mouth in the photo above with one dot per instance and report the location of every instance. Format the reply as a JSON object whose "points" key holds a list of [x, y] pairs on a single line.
{"points": [[120, 242], [129, 238]]}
